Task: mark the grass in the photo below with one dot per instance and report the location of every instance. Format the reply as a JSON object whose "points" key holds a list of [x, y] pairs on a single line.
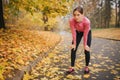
{"points": [[108, 33]]}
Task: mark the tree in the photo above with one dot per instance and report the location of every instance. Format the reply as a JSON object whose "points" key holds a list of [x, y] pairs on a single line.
{"points": [[107, 13], [119, 14], [2, 24], [48, 8], [116, 20]]}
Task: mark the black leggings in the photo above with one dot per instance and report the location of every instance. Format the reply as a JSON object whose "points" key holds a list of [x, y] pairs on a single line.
{"points": [[87, 53]]}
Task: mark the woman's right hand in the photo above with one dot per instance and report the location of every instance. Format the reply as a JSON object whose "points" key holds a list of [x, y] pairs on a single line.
{"points": [[72, 46], [87, 48]]}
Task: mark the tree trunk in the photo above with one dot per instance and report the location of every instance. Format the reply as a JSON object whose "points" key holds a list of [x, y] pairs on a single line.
{"points": [[116, 14], [119, 14], [107, 13], [108, 10], [101, 24], [2, 24], [45, 20]]}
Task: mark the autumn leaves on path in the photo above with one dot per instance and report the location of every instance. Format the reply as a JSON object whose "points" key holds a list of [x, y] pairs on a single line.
{"points": [[19, 48], [104, 64]]}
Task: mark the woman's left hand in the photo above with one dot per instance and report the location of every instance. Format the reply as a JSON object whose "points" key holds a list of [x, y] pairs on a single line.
{"points": [[87, 48]]}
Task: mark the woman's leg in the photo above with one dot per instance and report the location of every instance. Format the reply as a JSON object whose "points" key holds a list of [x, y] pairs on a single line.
{"points": [[73, 52], [87, 53]]}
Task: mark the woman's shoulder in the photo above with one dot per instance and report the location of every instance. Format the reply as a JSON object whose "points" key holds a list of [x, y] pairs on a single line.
{"points": [[86, 20], [71, 20]]}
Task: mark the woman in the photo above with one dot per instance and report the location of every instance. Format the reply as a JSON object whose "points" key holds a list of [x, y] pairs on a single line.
{"points": [[80, 27]]}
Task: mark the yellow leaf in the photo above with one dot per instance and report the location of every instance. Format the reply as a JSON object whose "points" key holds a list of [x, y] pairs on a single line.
{"points": [[70, 76], [44, 78], [1, 72], [27, 77], [86, 75], [20, 61], [96, 65], [114, 72]]}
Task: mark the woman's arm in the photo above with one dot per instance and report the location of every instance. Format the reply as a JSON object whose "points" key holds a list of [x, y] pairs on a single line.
{"points": [[73, 30], [86, 31]]}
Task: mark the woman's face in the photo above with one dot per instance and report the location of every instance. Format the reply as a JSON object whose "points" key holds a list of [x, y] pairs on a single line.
{"points": [[77, 16]]}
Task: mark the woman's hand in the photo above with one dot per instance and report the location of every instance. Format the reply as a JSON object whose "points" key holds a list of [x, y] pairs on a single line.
{"points": [[87, 48], [72, 46]]}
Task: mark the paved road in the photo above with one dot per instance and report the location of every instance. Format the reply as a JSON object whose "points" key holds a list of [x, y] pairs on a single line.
{"points": [[104, 64]]}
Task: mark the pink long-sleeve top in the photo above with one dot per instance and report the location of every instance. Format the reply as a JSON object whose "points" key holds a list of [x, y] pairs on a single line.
{"points": [[83, 26]]}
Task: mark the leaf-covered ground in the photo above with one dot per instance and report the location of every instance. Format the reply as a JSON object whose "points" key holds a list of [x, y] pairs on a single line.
{"points": [[105, 62], [109, 33], [20, 47]]}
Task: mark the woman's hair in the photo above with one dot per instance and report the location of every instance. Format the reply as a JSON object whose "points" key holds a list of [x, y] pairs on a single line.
{"points": [[79, 9]]}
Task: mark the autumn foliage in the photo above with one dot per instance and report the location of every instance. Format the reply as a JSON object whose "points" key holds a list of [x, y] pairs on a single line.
{"points": [[20, 47]]}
